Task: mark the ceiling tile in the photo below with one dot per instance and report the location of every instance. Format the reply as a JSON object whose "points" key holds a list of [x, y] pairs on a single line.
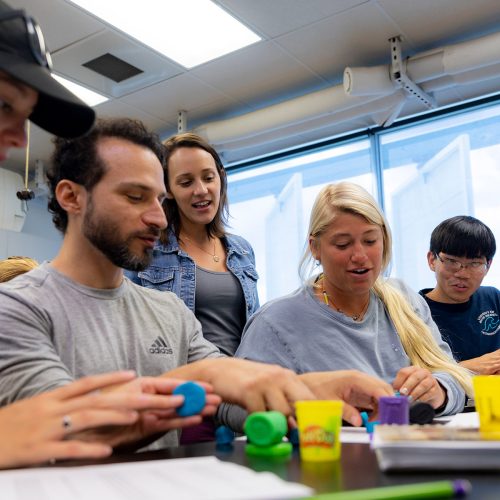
{"points": [[429, 23], [357, 37], [69, 61], [117, 108], [183, 92], [77, 24], [276, 17], [277, 77]]}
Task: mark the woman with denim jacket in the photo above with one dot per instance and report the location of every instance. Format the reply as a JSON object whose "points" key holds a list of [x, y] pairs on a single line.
{"points": [[212, 271]]}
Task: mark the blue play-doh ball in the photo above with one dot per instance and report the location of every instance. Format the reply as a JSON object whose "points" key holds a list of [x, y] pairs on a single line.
{"points": [[194, 399]]}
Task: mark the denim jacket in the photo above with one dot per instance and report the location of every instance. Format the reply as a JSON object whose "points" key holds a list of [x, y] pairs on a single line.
{"points": [[172, 269]]}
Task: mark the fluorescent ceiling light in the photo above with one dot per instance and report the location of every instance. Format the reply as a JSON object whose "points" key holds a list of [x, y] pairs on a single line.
{"points": [[86, 95], [189, 32]]}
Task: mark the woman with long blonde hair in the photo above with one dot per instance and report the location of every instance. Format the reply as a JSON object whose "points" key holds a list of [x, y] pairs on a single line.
{"points": [[349, 316]]}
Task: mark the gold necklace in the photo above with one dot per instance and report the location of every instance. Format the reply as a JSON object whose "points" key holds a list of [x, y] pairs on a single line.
{"points": [[214, 256], [355, 317]]}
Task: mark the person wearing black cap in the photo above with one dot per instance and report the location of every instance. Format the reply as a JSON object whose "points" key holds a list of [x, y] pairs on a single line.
{"points": [[42, 428], [27, 88]]}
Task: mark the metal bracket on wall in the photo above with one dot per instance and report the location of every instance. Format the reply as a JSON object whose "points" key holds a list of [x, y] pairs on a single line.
{"points": [[181, 122], [398, 75]]}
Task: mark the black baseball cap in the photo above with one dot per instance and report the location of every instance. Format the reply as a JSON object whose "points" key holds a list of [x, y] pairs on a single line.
{"points": [[23, 55]]}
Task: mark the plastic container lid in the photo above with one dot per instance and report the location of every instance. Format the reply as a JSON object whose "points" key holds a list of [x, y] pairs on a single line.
{"points": [[394, 410], [265, 428]]}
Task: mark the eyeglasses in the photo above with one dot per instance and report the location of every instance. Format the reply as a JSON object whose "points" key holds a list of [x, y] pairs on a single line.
{"points": [[34, 36], [453, 265]]}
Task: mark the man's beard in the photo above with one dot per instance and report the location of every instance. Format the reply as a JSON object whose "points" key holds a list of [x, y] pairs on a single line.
{"points": [[104, 234]]}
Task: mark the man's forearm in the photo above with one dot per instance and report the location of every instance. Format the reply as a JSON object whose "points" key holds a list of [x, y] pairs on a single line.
{"points": [[471, 364], [198, 370]]}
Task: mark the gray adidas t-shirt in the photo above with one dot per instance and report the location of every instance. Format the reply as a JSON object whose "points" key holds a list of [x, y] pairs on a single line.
{"points": [[54, 330]]}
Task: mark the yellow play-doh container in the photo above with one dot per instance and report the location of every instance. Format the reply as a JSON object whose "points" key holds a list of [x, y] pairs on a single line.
{"points": [[319, 424], [487, 401]]}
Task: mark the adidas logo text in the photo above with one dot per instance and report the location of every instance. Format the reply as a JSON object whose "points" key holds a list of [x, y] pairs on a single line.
{"points": [[159, 346]]}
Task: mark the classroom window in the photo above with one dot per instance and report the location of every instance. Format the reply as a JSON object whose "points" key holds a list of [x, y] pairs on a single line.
{"points": [[429, 170], [270, 206], [435, 170]]}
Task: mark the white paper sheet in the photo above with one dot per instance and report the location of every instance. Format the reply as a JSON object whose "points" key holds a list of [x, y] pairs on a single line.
{"points": [[180, 479], [468, 420], [354, 435]]}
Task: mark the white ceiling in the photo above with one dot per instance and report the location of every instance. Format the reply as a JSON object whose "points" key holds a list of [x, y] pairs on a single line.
{"points": [[306, 44]]}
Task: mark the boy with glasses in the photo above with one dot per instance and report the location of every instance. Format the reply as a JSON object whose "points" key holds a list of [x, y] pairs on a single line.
{"points": [[467, 314]]}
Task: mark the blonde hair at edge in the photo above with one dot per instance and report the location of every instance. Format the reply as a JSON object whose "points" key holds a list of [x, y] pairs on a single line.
{"points": [[416, 337], [14, 266]]}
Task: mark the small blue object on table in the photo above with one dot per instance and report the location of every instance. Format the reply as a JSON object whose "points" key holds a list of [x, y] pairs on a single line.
{"points": [[369, 425], [224, 435], [293, 437]]}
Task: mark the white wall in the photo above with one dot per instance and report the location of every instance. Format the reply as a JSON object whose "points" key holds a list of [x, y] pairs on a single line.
{"points": [[38, 239]]}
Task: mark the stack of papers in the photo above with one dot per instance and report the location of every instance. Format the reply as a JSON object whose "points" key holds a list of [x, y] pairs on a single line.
{"points": [[183, 479]]}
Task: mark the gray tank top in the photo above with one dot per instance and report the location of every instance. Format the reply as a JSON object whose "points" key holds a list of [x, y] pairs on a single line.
{"points": [[220, 308]]}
